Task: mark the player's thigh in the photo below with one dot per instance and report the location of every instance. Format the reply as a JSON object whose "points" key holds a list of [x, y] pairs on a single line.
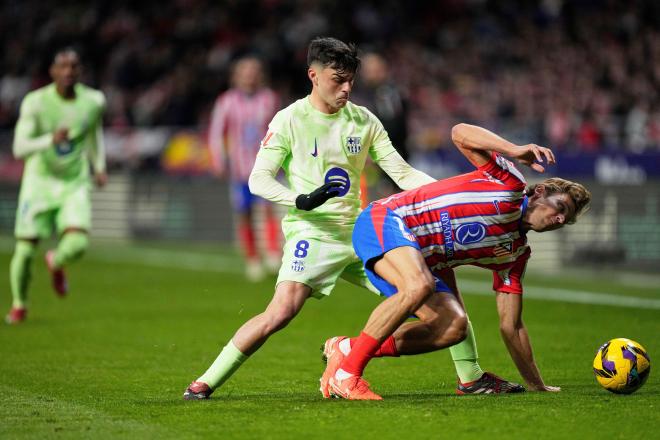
{"points": [[289, 298], [31, 223], [75, 211], [314, 261], [403, 266]]}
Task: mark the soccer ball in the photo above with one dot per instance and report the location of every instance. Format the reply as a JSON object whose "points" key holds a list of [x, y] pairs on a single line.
{"points": [[622, 366]]}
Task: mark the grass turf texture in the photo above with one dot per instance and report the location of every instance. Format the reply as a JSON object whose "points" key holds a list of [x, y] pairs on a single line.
{"points": [[114, 358]]}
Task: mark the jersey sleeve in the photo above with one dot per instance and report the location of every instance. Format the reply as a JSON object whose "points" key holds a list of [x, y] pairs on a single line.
{"points": [[389, 160], [510, 280], [505, 171], [274, 150], [26, 141]]}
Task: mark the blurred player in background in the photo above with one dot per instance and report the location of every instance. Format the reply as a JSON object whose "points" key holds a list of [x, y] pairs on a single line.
{"points": [[240, 118], [410, 243], [59, 132]]}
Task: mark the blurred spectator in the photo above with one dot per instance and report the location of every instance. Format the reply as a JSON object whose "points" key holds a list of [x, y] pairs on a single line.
{"points": [[571, 72]]}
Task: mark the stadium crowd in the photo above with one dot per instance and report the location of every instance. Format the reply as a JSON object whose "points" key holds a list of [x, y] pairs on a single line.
{"points": [[578, 75]]}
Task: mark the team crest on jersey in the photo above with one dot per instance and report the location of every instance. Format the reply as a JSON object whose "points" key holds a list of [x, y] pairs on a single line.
{"points": [[298, 266], [353, 144]]}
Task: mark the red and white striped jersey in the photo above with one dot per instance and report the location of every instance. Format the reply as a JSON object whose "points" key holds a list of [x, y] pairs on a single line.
{"points": [[473, 219], [238, 123]]}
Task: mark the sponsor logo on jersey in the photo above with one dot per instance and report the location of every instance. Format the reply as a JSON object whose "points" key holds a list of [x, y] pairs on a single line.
{"points": [[406, 233], [353, 144], [298, 266], [468, 233], [445, 223], [339, 175]]}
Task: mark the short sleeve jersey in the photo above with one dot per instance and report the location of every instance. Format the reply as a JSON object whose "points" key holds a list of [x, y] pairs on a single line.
{"points": [[471, 219], [314, 148]]}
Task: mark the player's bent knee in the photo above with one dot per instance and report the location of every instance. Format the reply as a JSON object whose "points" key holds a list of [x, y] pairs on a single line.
{"points": [[416, 292]]}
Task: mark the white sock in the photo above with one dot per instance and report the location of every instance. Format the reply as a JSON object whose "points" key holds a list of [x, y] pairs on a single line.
{"points": [[341, 374], [345, 346]]}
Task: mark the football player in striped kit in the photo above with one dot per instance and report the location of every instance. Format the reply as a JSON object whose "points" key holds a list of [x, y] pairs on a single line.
{"points": [[410, 243], [240, 118]]}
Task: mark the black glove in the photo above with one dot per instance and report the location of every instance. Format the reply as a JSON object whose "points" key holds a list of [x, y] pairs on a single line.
{"points": [[319, 196]]}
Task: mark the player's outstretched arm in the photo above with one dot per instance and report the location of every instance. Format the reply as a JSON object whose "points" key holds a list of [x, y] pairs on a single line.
{"points": [[476, 143], [514, 333]]}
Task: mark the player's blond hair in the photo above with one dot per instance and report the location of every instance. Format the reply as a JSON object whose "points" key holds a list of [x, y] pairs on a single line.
{"points": [[578, 193]]}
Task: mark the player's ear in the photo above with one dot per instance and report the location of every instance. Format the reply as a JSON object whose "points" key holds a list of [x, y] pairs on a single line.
{"points": [[539, 190], [313, 75]]}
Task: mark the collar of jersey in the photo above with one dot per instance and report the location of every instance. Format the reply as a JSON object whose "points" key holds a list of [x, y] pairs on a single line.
{"points": [[310, 107]]}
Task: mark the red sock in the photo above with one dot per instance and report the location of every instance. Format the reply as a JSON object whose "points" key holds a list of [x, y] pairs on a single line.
{"points": [[387, 348], [272, 235], [361, 353], [246, 235]]}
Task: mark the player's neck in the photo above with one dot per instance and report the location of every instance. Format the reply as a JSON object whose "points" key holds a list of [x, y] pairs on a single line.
{"points": [[67, 93], [320, 105]]}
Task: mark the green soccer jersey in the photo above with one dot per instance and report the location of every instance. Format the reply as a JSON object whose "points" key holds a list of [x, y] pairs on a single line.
{"points": [[314, 148], [43, 111]]}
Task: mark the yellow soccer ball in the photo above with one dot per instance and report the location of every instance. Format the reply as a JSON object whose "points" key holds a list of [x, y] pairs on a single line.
{"points": [[622, 366]]}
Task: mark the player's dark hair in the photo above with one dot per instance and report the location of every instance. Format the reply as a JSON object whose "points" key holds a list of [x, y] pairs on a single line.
{"points": [[66, 49], [331, 52]]}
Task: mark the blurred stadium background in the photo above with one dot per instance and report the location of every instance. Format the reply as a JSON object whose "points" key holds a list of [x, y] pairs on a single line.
{"points": [[581, 76]]}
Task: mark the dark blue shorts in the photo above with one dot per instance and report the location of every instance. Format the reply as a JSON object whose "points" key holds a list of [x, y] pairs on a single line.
{"points": [[377, 231], [241, 197]]}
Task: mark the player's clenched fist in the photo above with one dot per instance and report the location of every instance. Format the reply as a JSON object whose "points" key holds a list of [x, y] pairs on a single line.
{"points": [[319, 196]]}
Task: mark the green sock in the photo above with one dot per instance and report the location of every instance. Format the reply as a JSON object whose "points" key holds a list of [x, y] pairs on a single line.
{"points": [[71, 247], [224, 366], [20, 272], [466, 358]]}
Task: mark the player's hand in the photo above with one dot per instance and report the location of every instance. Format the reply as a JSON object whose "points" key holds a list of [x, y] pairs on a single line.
{"points": [[100, 179], [533, 156], [319, 196], [61, 135], [548, 388]]}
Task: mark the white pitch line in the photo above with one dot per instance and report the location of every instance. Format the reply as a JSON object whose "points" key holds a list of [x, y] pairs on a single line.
{"points": [[223, 264], [566, 295]]}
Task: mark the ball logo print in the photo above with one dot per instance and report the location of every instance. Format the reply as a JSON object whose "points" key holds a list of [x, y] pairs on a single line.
{"points": [[470, 233], [339, 175]]}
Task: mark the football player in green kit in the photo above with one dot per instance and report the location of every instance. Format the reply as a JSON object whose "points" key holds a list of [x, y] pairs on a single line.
{"points": [[321, 142], [58, 134]]}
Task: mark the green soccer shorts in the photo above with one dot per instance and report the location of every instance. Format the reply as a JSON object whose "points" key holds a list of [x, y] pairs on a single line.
{"points": [[38, 216], [318, 261]]}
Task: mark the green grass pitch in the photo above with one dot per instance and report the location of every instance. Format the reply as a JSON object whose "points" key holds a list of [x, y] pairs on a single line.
{"points": [[113, 359]]}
